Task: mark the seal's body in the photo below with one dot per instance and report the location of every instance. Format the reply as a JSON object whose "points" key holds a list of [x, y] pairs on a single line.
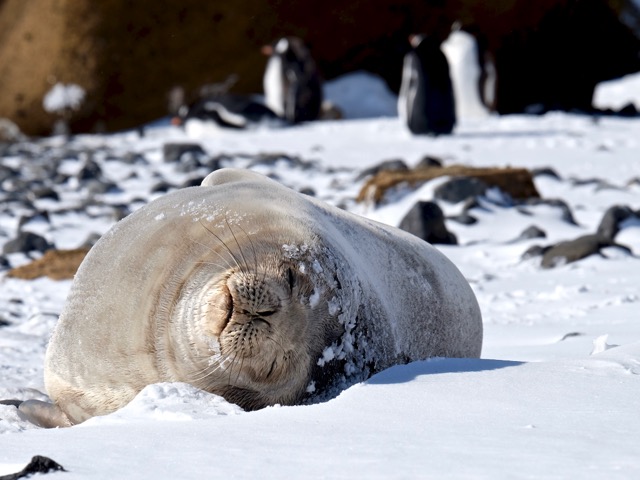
{"points": [[247, 289]]}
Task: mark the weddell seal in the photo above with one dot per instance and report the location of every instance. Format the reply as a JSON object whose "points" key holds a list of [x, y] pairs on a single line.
{"points": [[247, 289]]}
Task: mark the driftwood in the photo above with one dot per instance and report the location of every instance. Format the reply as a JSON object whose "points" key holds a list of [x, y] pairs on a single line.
{"points": [[517, 182], [55, 264]]}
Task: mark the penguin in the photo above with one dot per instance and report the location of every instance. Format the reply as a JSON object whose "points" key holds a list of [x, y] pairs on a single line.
{"points": [[214, 105], [291, 81], [228, 111], [426, 103], [461, 50]]}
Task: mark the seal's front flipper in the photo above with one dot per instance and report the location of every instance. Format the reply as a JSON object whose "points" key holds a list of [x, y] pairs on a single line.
{"points": [[44, 414]]}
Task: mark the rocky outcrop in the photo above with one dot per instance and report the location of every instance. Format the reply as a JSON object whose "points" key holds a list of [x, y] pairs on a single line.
{"points": [[127, 56]]}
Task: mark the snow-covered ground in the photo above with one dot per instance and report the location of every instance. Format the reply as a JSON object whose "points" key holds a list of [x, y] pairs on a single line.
{"points": [[555, 394]]}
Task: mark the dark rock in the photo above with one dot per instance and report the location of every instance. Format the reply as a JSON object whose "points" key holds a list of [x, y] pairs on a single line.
{"points": [[42, 216], [161, 187], [42, 192], [133, 158], [120, 211], [534, 251], [90, 170], [26, 242], [612, 219], [271, 159], [192, 182], [545, 171], [11, 402], [470, 204], [99, 187], [394, 165], [531, 232], [572, 250], [460, 188], [464, 218], [308, 191], [4, 263], [425, 220], [565, 214], [181, 152], [428, 161], [599, 183], [4, 323], [6, 173], [90, 240], [38, 464]]}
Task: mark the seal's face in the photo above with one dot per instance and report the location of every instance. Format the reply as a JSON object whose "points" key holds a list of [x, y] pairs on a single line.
{"points": [[269, 330]]}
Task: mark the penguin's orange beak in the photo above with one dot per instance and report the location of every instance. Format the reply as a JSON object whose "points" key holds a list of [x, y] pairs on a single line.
{"points": [[176, 121], [267, 50]]}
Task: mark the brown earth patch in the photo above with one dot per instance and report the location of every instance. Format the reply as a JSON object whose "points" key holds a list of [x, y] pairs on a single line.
{"points": [[55, 264], [517, 182]]}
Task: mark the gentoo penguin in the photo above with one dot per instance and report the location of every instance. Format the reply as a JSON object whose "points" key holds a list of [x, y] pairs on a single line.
{"points": [[426, 103], [473, 81], [229, 111], [214, 105], [291, 82]]}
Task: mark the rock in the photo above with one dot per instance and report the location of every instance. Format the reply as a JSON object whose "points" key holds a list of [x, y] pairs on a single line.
{"points": [[42, 216], [90, 170], [516, 182], [192, 182], [565, 212], [10, 132], [464, 218], [531, 232], [126, 57], [179, 152], [459, 189], [586, 245], [55, 264], [534, 251], [394, 165], [26, 242], [546, 172], [38, 464], [611, 221], [572, 250], [425, 220], [42, 192], [428, 161], [308, 191]]}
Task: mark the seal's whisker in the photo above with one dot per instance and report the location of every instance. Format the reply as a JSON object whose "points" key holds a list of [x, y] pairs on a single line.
{"points": [[235, 259], [253, 248], [237, 243], [227, 265]]}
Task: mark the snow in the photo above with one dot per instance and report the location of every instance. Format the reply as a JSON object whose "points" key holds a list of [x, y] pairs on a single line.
{"points": [[555, 394], [616, 94], [63, 96]]}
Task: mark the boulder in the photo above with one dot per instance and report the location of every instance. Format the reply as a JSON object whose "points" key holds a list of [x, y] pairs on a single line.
{"points": [[112, 65], [425, 220]]}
